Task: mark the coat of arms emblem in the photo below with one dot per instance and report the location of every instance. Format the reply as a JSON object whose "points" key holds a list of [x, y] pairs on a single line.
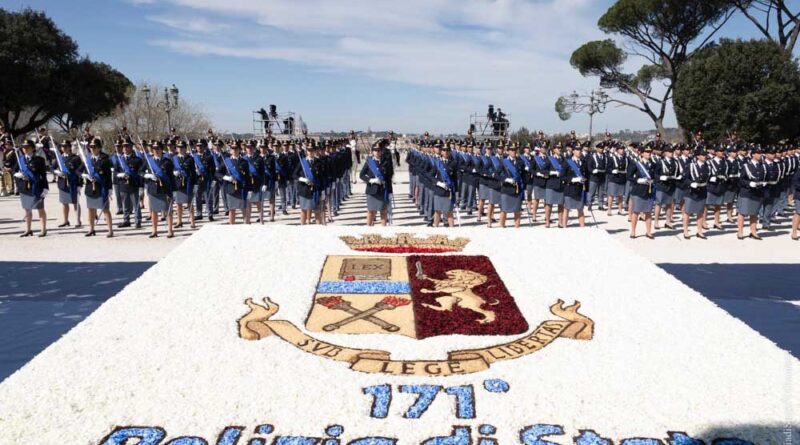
{"points": [[419, 288]]}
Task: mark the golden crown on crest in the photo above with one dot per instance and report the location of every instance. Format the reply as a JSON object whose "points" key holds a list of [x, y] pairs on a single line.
{"points": [[405, 243]]}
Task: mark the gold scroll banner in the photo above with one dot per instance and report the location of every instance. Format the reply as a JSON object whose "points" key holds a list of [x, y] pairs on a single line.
{"points": [[256, 324]]}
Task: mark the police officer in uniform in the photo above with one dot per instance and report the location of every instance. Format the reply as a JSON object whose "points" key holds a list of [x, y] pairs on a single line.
{"points": [[640, 175], [444, 192], [752, 190], [618, 164], [160, 186], [69, 183], [575, 183], [234, 174], [129, 180], [185, 172], [378, 177], [694, 203], [665, 175], [31, 182], [98, 186]]}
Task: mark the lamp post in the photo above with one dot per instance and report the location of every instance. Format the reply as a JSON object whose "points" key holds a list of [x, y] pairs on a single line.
{"points": [[169, 104], [591, 104]]}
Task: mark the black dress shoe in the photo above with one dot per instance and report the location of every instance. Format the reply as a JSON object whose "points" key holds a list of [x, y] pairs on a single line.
{"points": [[701, 236], [211, 218], [669, 226], [687, 237], [124, 225], [110, 235], [26, 234], [718, 227], [138, 225], [178, 226], [171, 235], [153, 235], [66, 224], [90, 233], [741, 237], [43, 234], [650, 237], [755, 237]]}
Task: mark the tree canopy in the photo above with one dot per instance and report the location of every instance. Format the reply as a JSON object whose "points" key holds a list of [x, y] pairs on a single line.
{"points": [[43, 78], [663, 34], [751, 87]]}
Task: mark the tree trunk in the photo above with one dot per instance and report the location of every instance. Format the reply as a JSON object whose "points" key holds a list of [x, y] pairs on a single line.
{"points": [[660, 126]]}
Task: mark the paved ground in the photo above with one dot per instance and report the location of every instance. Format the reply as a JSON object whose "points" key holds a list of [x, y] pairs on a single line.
{"points": [[48, 285]]}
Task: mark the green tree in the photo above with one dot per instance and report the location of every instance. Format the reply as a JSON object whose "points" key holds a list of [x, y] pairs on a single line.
{"points": [[663, 34], [752, 87], [43, 78], [522, 136]]}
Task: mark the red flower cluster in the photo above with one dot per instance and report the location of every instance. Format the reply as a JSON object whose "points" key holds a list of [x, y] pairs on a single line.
{"points": [[330, 302], [395, 301]]}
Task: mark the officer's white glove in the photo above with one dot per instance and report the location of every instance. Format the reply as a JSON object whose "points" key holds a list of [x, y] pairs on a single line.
{"points": [[663, 178], [679, 177], [58, 172], [227, 178], [553, 173], [150, 176], [713, 179], [176, 173], [374, 181], [87, 177], [527, 169], [304, 180], [474, 171], [615, 171], [510, 181], [641, 181], [263, 188], [763, 184], [121, 175], [595, 171], [576, 180], [753, 184], [441, 185], [19, 175], [693, 185]]}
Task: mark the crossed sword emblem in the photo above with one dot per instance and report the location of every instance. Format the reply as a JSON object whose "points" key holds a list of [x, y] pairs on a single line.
{"points": [[339, 303]]}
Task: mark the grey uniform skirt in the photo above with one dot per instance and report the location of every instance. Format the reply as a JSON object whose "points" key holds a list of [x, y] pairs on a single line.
{"points": [[97, 203], [306, 203], [67, 198], [797, 205], [642, 205], [553, 197], [510, 203], [693, 206], [529, 192], [376, 203], [750, 206], [268, 195], [615, 189], [181, 197], [484, 192], [254, 196], [572, 203], [539, 192], [715, 200], [31, 202], [664, 198], [442, 204], [159, 203], [730, 196], [495, 196]]}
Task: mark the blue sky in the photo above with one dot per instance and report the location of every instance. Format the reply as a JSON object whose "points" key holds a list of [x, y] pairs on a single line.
{"points": [[411, 65]]}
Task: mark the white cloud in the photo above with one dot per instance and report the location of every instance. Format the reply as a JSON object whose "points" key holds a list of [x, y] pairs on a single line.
{"points": [[514, 52], [199, 25]]}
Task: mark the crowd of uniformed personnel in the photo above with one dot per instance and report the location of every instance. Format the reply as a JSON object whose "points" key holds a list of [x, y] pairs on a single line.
{"points": [[654, 182], [175, 176]]}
